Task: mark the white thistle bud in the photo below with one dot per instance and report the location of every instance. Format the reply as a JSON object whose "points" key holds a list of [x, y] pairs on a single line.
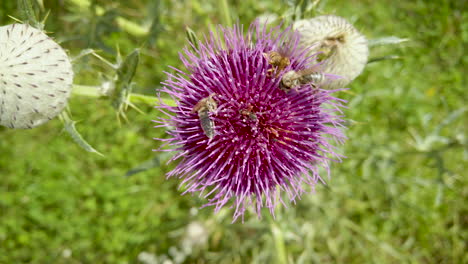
{"points": [[344, 49], [35, 77]]}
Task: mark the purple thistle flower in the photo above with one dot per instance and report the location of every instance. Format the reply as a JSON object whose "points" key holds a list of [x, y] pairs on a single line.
{"points": [[266, 141]]}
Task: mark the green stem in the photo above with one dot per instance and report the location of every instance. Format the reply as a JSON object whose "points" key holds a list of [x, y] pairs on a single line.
{"points": [[226, 13], [150, 100], [280, 247], [93, 91], [85, 90]]}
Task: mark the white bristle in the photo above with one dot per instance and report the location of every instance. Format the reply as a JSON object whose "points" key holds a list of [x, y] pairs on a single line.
{"points": [[349, 56], [35, 77]]}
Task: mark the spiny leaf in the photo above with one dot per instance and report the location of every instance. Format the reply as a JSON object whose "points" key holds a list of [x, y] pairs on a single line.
{"points": [[83, 53], [191, 37], [127, 70], [26, 7], [156, 25], [125, 74], [76, 136]]}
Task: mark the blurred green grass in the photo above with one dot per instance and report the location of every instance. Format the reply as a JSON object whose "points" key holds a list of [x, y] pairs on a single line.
{"points": [[399, 197]]}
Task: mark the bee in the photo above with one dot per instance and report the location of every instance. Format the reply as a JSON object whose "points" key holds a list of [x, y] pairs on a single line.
{"points": [[293, 79], [329, 47], [204, 107], [344, 51], [247, 112], [278, 61]]}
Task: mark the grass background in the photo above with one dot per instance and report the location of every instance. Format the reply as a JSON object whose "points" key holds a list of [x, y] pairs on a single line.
{"points": [[401, 196]]}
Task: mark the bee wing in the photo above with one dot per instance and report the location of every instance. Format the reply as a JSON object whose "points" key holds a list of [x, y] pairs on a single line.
{"points": [[308, 71], [207, 124]]}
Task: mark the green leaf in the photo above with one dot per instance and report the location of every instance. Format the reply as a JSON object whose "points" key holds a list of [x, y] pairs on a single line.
{"points": [[83, 53], [387, 41], [76, 136], [29, 13], [125, 74], [388, 57], [192, 37], [127, 69]]}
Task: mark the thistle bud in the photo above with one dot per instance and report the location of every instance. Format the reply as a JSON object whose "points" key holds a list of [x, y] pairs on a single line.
{"points": [[35, 77], [343, 50]]}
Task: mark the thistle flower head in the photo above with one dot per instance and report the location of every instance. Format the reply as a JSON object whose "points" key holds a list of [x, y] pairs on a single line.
{"points": [[266, 141], [35, 77], [344, 50]]}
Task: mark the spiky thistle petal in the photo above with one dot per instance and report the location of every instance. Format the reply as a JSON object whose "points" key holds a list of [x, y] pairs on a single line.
{"points": [[266, 141]]}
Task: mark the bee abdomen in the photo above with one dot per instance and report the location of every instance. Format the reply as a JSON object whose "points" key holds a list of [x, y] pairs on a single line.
{"points": [[315, 78], [206, 123]]}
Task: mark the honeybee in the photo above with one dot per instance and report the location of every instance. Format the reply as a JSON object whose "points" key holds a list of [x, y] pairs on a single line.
{"points": [[278, 61], [344, 50], [293, 79], [204, 107], [249, 113], [329, 47]]}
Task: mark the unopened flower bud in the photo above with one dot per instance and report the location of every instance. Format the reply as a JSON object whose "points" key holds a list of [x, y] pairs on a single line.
{"points": [[35, 77], [344, 50]]}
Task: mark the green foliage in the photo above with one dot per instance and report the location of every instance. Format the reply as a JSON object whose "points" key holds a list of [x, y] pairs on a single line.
{"points": [[399, 197], [69, 126]]}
